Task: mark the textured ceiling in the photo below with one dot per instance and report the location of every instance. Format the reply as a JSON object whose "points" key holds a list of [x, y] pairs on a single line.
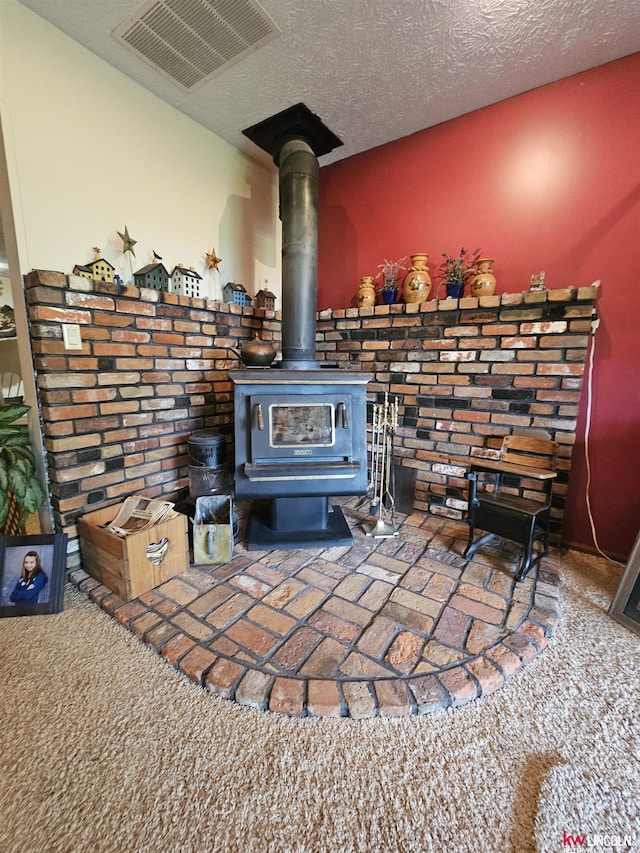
{"points": [[375, 70]]}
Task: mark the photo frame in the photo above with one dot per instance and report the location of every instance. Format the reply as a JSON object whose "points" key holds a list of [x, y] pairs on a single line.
{"points": [[32, 573], [625, 607]]}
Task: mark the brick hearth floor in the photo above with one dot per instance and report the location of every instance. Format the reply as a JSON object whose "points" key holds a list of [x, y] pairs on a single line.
{"points": [[386, 627]]}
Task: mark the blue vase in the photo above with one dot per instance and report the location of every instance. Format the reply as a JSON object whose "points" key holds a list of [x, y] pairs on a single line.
{"points": [[388, 296], [454, 289]]}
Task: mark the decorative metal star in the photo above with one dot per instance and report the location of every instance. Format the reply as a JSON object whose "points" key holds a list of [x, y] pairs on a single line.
{"points": [[128, 242], [213, 260]]}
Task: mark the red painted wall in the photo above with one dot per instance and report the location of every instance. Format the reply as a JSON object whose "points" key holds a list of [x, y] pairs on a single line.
{"points": [[548, 180]]}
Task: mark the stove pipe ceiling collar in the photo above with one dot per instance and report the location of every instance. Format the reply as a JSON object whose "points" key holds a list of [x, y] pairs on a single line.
{"points": [[295, 138]]}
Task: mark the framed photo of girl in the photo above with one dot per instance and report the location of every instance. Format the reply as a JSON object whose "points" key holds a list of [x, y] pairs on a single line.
{"points": [[32, 570]]}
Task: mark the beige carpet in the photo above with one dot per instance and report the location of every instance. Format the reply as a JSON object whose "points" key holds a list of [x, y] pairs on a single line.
{"points": [[105, 748]]}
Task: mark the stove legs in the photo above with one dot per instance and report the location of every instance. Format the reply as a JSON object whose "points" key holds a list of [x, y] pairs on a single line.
{"points": [[296, 523]]}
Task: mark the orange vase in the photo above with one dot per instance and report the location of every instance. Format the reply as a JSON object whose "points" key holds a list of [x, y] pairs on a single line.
{"points": [[484, 281], [366, 295], [416, 285]]}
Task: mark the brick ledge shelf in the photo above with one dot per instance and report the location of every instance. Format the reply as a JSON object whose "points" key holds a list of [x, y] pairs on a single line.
{"points": [[153, 368]]}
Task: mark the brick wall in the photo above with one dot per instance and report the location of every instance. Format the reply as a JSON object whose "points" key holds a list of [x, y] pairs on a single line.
{"points": [[468, 372], [117, 415], [153, 368]]}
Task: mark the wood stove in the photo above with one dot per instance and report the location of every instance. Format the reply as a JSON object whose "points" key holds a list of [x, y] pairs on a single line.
{"points": [[298, 440], [300, 428]]}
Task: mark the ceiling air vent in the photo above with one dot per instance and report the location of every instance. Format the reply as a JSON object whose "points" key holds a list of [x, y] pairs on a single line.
{"points": [[192, 40]]}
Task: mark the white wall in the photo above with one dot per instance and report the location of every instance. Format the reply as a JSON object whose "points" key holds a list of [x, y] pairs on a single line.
{"points": [[5, 291], [89, 151]]}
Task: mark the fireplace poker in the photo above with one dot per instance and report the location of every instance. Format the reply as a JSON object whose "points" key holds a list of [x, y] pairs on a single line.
{"points": [[373, 453]]}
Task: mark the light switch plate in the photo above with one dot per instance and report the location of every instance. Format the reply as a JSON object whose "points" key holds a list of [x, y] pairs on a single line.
{"points": [[71, 336]]}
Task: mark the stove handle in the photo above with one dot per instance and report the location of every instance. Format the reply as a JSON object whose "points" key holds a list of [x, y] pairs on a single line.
{"points": [[260, 416], [345, 419]]}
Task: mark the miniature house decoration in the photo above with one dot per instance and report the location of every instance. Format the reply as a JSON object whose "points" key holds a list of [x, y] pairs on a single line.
{"points": [[265, 299], [99, 269], [154, 276], [185, 281], [236, 294]]}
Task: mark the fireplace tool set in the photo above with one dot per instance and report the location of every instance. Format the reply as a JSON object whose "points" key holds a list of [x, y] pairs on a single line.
{"points": [[382, 480]]}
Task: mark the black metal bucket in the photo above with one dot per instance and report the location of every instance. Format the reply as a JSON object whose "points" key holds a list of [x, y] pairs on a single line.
{"points": [[207, 448]]}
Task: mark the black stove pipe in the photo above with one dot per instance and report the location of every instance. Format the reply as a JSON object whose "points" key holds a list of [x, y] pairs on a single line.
{"points": [[295, 138], [299, 173]]}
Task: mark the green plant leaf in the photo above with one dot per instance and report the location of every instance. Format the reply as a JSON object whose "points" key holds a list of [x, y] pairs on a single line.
{"points": [[33, 499], [23, 455], [17, 464], [18, 483], [15, 441], [12, 412], [8, 433], [11, 427]]}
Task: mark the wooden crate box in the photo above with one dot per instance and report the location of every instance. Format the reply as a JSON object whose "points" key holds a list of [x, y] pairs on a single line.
{"points": [[121, 563]]}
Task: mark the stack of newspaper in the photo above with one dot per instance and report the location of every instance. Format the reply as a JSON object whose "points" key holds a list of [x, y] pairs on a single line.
{"points": [[137, 513]]}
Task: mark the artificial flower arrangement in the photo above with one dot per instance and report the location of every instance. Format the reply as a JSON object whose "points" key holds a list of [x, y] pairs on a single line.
{"points": [[389, 273], [456, 270]]}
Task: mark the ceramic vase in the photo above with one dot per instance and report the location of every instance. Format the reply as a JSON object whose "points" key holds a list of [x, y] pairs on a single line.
{"points": [[416, 285], [389, 295], [366, 295], [484, 281]]}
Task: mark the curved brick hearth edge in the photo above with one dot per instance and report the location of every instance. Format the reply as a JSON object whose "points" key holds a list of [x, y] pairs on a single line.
{"points": [[386, 627]]}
